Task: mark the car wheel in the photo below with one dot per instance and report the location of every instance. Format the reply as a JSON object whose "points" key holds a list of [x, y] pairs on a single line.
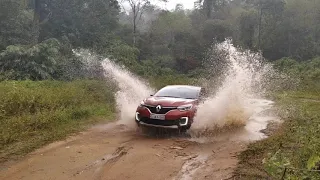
{"points": [[184, 129]]}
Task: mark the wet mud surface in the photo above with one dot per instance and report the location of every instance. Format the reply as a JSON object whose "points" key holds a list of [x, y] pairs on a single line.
{"points": [[114, 151]]}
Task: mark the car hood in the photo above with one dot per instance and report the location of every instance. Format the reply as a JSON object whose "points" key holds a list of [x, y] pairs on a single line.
{"points": [[168, 102]]}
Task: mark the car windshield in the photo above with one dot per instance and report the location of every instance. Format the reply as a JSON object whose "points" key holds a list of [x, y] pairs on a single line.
{"points": [[179, 92]]}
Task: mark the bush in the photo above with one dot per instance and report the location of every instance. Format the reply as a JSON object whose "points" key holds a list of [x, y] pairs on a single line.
{"points": [[127, 56], [50, 59], [35, 113], [306, 70], [36, 63]]}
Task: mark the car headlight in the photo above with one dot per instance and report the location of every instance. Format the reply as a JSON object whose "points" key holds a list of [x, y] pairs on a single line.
{"points": [[185, 107]]}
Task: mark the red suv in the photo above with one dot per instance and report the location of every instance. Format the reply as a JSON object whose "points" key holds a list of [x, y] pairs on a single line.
{"points": [[171, 107]]}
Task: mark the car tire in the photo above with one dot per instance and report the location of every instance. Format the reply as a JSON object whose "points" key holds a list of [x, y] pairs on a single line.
{"points": [[184, 129]]}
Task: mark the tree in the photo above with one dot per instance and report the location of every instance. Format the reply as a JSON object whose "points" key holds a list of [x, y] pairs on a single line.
{"points": [[86, 23], [217, 30], [15, 23], [212, 7], [172, 33], [137, 8], [35, 63], [247, 22], [280, 28], [40, 15]]}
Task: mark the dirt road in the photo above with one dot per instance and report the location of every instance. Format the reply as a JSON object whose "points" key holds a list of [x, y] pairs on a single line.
{"points": [[113, 152]]}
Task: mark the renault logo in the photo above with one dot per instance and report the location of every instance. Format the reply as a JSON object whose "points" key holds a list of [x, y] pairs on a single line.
{"points": [[158, 108]]}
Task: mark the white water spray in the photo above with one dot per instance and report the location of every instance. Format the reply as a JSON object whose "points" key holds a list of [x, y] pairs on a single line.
{"points": [[238, 101], [238, 97], [132, 91]]}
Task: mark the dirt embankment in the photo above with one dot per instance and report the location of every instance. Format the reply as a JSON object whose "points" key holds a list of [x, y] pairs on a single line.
{"points": [[113, 152]]}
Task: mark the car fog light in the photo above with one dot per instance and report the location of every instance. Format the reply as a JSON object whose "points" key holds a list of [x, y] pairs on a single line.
{"points": [[137, 116], [184, 121]]}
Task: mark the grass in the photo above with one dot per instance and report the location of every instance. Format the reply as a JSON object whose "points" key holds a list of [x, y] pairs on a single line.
{"points": [[295, 145], [33, 114]]}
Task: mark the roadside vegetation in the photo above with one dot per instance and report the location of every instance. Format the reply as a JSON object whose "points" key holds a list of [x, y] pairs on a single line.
{"points": [[292, 151], [33, 114]]}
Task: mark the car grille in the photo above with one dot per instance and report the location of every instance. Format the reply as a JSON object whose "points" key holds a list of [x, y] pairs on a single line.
{"points": [[164, 110], [160, 122]]}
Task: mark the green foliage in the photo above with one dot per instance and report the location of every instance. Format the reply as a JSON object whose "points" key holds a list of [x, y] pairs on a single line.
{"points": [[35, 113], [303, 134], [281, 28], [169, 23], [313, 162], [306, 69], [124, 54], [86, 23], [50, 59], [36, 63], [15, 23], [172, 35], [176, 40], [246, 32], [216, 29], [295, 145], [127, 56], [275, 164]]}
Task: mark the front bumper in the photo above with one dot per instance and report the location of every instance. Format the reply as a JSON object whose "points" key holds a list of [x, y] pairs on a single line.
{"points": [[159, 126], [178, 123]]}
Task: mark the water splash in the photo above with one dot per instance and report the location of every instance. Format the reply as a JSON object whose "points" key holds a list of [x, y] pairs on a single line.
{"points": [[238, 100], [232, 103], [132, 91]]}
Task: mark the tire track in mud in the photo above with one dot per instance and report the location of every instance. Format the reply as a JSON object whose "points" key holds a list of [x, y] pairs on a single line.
{"points": [[213, 158], [191, 165], [107, 159]]}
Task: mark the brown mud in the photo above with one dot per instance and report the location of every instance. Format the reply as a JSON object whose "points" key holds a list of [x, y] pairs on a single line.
{"points": [[113, 152]]}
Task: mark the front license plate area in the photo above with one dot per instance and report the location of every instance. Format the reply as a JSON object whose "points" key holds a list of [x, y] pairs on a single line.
{"points": [[158, 116]]}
